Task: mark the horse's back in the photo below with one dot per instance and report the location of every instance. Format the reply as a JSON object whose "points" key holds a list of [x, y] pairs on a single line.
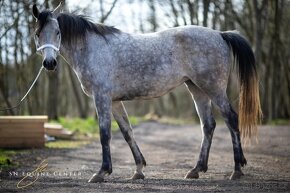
{"points": [[203, 54], [153, 64], [201, 49]]}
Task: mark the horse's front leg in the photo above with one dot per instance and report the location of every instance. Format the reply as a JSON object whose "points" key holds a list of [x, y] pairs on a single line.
{"points": [[103, 104]]}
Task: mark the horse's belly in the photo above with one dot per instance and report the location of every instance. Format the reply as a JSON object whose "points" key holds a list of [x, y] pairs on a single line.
{"points": [[131, 95], [146, 90]]}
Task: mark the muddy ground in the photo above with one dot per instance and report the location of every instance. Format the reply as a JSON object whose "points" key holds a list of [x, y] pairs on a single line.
{"points": [[170, 151]]}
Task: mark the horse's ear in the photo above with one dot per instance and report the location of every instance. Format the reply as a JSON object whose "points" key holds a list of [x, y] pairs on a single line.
{"points": [[35, 11], [57, 10]]}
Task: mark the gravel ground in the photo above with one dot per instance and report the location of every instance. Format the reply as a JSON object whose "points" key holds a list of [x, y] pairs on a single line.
{"points": [[170, 151]]}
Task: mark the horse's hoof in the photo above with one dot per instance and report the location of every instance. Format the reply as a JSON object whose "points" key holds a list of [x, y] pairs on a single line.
{"points": [[236, 175], [96, 179], [192, 174], [137, 176]]}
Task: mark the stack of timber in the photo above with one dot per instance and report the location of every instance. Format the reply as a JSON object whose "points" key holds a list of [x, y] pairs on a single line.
{"points": [[22, 131], [57, 131]]}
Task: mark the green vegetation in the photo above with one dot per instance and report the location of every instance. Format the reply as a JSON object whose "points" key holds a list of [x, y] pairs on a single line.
{"points": [[84, 128], [280, 122], [175, 121], [89, 125], [66, 143], [5, 158]]}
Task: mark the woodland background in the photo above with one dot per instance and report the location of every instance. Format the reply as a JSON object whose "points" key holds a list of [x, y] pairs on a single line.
{"points": [[265, 23]]}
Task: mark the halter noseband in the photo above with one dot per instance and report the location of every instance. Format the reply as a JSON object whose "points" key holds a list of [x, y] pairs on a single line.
{"points": [[48, 46]]}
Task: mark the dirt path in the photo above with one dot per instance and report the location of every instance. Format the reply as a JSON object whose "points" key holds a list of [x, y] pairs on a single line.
{"points": [[170, 152]]}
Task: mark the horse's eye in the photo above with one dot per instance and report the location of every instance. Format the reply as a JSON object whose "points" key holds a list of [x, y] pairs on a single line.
{"points": [[57, 33]]}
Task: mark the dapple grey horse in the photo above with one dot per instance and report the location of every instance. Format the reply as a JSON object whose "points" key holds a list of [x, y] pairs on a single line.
{"points": [[113, 66]]}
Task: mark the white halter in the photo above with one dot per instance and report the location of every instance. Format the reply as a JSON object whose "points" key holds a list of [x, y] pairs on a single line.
{"points": [[48, 46]]}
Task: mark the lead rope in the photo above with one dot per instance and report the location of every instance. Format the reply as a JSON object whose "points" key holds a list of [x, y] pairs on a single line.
{"points": [[19, 103]]}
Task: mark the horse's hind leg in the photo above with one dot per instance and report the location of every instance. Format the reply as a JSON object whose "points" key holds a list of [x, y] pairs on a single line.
{"points": [[231, 119], [121, 117], [204, 109]]}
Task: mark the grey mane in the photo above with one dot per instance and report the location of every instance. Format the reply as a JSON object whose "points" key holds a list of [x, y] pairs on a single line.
{"points": [[74, 27]]}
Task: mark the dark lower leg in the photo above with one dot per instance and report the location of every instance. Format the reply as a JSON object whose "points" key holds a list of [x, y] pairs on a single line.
{"points": [[138, 157], [121, 117], [103, 107], [208, 130], [106, 167], [203, 107], [107, 163], [231, 119]]}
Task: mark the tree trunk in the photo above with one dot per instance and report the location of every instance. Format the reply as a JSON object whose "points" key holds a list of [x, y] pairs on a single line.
{"points": [[205, 12], [81, 109]]}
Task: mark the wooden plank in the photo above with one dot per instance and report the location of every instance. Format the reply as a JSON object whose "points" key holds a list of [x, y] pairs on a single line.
{"points": [[21, 126], [22, 134], [52, 126], [24, 128], [22, 143], [62, 134], [22, 131], [21, 139], [22, 119]]}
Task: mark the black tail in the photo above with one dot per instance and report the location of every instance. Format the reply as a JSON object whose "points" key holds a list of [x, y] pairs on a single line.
{"points": [[249, 103]]}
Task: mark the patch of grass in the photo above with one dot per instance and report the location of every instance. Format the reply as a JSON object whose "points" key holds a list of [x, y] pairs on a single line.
{"points": [[89, 125], [67, 144], [5, 158], [84, 127], [280, 122], [175, 121], [135, 120]]}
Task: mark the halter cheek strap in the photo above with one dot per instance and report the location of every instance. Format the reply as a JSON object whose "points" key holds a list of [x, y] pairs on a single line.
{"points": [[48, 46]]}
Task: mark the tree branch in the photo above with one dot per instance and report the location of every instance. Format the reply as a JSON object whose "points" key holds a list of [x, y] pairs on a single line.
{"points": [[9, 28], [103, 19]]}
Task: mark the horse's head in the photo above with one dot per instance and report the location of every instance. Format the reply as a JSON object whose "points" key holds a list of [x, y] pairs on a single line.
{"points": [[47, 36]]}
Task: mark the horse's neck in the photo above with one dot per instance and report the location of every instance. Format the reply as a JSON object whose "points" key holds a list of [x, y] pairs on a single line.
{"points": [[66, 53], [72, 55], [77, 54]]}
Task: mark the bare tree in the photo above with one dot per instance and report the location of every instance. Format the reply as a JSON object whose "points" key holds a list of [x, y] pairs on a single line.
{"points": [[105, 15], [206, 4]]}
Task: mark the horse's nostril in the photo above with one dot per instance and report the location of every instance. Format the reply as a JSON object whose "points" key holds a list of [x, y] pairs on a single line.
{"points": [[45, 64], [54, 63], [49, 64]]}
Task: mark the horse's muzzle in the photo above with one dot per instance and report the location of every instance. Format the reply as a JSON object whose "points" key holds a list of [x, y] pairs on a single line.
{"points": [[49, 64]]}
